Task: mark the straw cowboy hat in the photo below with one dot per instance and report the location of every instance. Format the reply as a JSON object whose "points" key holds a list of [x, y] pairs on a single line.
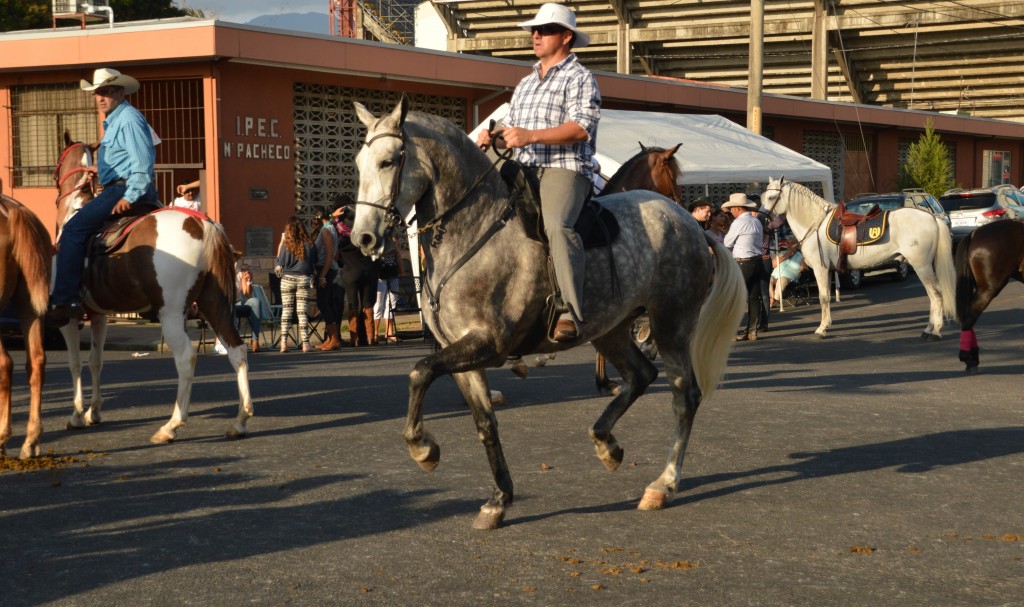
{"points": [[106, 76], [739, 200], [558, 14]]}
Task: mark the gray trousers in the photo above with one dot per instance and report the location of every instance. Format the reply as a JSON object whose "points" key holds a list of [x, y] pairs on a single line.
{"points": [[562, 192]]}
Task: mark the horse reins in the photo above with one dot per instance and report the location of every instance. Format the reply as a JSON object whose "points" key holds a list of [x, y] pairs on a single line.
{"points": [[60, 179]]}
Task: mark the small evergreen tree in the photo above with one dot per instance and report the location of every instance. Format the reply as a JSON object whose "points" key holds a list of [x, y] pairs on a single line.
{"points": [[928, 165]]}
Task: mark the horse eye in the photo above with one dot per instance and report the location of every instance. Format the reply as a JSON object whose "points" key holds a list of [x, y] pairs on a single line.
{"points": [[387, 163]]}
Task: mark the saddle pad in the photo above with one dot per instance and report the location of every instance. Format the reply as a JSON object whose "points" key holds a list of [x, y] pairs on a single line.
{"points": [[869, 232], [112, 235]]}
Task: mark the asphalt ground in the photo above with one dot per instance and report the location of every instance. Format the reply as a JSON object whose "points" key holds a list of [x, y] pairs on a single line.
{"points": [[863, 469]]}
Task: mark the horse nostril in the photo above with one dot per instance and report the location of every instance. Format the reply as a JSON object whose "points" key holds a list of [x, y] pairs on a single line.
{"points": [[366, 241]]}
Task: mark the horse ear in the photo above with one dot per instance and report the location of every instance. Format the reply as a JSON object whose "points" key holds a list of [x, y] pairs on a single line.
{"points": [[364, 114], [399, 113], [67, 138], [782, 180], [643, 148], [672, 152]]}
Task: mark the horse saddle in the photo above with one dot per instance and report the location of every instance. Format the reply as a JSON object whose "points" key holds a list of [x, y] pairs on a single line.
{"points": [[850, 230], [596, 225], [112, 235]]}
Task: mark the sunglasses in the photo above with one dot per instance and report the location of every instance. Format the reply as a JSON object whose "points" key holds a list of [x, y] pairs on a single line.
{"points": [[547, 30]]}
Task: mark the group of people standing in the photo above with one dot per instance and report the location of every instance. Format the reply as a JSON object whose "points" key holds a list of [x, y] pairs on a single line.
{"points": [[753, 238], [345, 283]]}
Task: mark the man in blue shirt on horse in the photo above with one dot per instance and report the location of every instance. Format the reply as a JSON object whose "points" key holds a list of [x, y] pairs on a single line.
{"points": [[125, 170], [552, 124]]}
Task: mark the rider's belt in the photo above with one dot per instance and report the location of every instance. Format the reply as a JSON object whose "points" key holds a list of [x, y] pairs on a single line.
{"points": [[115, 182], [747, 258]]}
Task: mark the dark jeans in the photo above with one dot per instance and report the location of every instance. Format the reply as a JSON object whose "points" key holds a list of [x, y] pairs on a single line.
{"points": [[326, 299], [67, 283], [752, 271]]}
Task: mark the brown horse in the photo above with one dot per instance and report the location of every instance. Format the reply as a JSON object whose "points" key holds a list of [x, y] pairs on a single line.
{"points": [[986, 260], [169, 259], [25, 249]]}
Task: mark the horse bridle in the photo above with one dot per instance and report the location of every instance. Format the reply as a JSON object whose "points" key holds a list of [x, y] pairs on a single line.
{"points": [[394, 219], [812, 230], [87, 180]]}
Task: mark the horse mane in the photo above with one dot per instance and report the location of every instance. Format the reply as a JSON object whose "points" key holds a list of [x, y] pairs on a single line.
{"points": [[31, 251], [806, 192]]}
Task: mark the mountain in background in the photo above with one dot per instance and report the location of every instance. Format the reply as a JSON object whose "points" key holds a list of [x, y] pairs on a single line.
{"points": [[316, 23]]}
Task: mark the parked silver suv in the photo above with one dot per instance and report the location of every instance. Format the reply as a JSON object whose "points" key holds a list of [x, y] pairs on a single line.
{"points": [[969, 209]]}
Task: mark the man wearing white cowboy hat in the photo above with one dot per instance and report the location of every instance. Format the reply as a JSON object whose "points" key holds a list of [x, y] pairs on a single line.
{"points": [[552, 124], [744, 240], [124, 167]]}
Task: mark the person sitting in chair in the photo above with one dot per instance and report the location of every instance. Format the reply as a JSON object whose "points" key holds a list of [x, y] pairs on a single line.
{"points": [[125, 169], [552, 125]]}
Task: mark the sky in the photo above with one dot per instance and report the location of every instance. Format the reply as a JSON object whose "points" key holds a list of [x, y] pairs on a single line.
{"points": [[241, 11]]}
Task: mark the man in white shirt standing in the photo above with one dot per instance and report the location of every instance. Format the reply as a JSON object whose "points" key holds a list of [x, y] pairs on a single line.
{"points": [[744, 240]]}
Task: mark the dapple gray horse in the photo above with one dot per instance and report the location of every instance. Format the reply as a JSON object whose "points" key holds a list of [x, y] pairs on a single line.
{"points": [[485, 283], [923, 239]]}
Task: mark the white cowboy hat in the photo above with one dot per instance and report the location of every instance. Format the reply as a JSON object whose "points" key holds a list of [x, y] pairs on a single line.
{"points": [[106, 76], [739, 200], [558, 14]]}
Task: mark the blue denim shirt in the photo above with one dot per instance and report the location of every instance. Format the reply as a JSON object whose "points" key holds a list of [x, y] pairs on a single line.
{"points": [[126, 151]]}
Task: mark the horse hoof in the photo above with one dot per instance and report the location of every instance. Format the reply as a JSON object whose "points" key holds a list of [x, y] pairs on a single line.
{"points": [[75, 425], [613, 459], [490, 517], [161, 438], [930, 336], [429, 458], [820, 335], [28, 452], [234, 434], [653, 500], [521, 370]]}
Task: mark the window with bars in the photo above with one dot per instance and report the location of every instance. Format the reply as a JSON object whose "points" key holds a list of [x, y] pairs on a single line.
{"points": [[39, 115]]}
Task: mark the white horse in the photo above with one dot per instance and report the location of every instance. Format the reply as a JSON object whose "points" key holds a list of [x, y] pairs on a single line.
{"points": [[921, 238]]}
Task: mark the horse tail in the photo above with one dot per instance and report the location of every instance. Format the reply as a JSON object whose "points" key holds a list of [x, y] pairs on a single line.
{"points": [[945, 272], [966, 286], [32, 251], [220, 258], [716, 326]]}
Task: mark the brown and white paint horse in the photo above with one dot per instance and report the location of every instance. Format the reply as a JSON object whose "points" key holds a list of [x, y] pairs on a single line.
{"points": [[24, 282], [170, 259]]}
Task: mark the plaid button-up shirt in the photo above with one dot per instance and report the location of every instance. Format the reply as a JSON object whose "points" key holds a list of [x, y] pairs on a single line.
{"points": [[568, 93]]}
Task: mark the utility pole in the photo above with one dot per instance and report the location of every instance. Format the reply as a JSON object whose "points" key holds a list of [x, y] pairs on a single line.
{"points": [[756, 67]]}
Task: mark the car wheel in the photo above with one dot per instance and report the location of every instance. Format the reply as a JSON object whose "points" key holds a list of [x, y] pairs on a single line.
{"points": [[851, 279], [902, 271]]}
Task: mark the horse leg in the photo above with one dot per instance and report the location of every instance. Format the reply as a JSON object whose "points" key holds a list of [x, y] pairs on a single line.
{"points": [[98, 328], [604, 384], [72, 338], [637, 373], [825, 299], [35, 365], [173, 326], [968, 339], [6, 371], [473, 385], [223, 325], [686, 398], [468, 354]]}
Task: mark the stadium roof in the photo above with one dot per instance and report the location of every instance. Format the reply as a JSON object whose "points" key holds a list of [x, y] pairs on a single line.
{"points": [[954, 55]]}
